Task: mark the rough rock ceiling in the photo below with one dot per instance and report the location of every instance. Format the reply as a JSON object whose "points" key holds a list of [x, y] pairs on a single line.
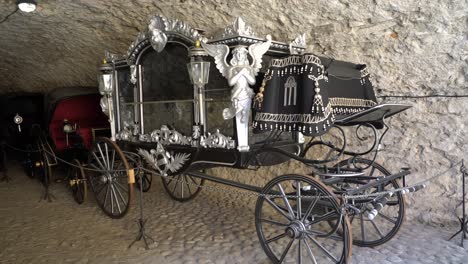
{"points": [[411, 47]]}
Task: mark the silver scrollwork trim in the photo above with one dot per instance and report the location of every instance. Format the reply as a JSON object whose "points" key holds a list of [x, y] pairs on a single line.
{"points": [[217, 140], [166, 136], [294, 118], [296, 60], [237, 28], [351, 102]]}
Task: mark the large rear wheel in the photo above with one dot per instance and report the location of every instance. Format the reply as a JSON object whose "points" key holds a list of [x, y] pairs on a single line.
{"points": [[291, 218]]}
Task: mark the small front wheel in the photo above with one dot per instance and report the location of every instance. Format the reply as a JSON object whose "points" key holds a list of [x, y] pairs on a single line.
{"points": [[110, 179]]}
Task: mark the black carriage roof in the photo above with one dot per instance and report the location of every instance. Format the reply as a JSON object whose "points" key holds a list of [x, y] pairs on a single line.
{"points": [[66, 92], [59, 94]]}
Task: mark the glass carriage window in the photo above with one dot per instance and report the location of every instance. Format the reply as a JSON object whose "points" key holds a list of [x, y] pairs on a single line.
{"points": [[126, 97], [167, 91], [218, 96]]}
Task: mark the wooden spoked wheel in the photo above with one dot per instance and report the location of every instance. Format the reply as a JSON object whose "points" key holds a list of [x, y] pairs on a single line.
{"points": [[182, 187], [77, 182], [375, 232], [291, 218], [110, 180]]}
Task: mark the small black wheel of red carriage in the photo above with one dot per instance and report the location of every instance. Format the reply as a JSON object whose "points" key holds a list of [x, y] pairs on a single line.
{"points": [[77, 182], [291, 218], [182, 187], [387, 223], [110, 178], [30, 161], [43, 169]]}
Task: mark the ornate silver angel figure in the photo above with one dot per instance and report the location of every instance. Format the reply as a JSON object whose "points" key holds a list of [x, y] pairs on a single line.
{"points": [[240, 73]]}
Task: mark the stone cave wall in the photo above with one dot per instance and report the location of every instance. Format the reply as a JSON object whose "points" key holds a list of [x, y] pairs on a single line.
{"points": [[411, 48]]}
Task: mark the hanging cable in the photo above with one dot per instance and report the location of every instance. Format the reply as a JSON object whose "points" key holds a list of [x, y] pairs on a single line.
{"points": [[9, 15], [425, 96]]}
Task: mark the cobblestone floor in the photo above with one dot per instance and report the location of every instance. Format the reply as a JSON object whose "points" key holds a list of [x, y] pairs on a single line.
{"points": [[213, 228]]}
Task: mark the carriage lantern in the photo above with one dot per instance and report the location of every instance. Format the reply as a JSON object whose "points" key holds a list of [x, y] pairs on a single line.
{"points": [[199, 72], [105, 79]]}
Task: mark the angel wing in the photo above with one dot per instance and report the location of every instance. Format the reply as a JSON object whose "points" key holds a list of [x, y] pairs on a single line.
{"points": [[219, 53], [178, 161], [256, 51], [149, 158]]}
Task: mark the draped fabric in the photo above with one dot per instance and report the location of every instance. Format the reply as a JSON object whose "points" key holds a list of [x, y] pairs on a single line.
{"points": [[299, 94], [293, 98]]}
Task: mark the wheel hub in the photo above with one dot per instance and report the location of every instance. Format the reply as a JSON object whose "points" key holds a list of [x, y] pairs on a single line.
{"points": [[296, 229], [105, 178]]}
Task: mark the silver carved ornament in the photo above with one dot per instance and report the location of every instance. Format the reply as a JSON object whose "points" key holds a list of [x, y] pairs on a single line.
{"points": [[157, 37], [299, 41], [163, 161], [217, 140], [238, 28], [166, 136], [240, 74]]}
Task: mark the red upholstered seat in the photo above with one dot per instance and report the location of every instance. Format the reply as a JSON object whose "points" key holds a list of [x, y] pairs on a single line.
{"points": [[83, 110]]}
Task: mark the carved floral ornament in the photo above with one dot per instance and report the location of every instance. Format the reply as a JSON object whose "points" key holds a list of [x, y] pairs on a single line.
{"points": [[158, 28]]}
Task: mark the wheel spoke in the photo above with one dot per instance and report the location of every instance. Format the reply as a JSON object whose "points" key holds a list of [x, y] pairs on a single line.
{"points": [[102, 155], [278, 237], [99, 162], [299, 206], [113, 159], [273, 222], [328, 253], [388, 218], [106, 195], [299, 252], [311, 207], [310, 251], [181, 181], [277, 208], [116, 189], [285, 200], [286, 250], [326, 216], [363, 233], [111, 200], [116, 198], [175, 184], [107, 156], [377, 228], [188, 186], [195, 182], [324, 235]]}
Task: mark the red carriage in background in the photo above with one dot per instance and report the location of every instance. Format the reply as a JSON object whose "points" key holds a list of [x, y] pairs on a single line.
{"points": [[73, 120]]}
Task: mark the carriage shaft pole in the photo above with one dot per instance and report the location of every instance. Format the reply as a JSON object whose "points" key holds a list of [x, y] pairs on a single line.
{"points": [[239, 185], [378, 182]]}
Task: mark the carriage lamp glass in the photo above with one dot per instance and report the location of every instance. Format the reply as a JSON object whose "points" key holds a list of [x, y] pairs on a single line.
{"points": [[105, 83], [26, 5], [199, 72]]}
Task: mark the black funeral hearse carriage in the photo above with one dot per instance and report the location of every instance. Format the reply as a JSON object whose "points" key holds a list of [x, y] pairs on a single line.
{"points": [[186, 102]]}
